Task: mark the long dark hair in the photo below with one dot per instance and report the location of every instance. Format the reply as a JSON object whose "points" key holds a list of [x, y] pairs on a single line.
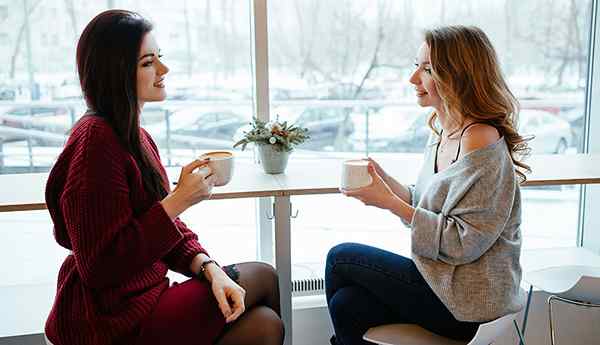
{"points": [[107, 57]]}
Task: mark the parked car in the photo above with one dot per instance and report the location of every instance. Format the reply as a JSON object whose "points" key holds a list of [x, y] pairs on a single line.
{"points": [[576, 118], [327, 127], [384, 128], [69, 89], [349, 91], [278, 94], [414, 138], [48, 118], [7, 94], [216, 125], [196, 93], [195, 127], [552, 134]]}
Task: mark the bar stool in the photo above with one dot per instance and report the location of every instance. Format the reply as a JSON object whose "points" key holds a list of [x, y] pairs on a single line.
{"points": [[575, 285], [410, 334]]}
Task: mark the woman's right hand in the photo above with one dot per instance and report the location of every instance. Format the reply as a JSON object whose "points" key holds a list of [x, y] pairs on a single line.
{"points": [[192, 187], [378, 169]]}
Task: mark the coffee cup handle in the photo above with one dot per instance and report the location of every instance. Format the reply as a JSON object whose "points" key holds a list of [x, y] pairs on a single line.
{"points": [[205, 170]]}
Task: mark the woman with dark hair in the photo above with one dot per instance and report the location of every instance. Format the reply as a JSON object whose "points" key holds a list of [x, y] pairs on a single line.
{"points": [[464, 212], [110, 201]]}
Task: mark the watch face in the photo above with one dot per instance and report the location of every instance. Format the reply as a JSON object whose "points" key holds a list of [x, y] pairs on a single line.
{"points": [[233, 272]]}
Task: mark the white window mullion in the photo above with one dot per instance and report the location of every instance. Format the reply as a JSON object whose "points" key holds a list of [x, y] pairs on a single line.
{"points": [[260, 59], [260, 73], [590, 217]]}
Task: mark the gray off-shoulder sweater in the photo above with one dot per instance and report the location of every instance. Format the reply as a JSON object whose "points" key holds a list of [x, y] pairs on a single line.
{"points": [[466, 238]]}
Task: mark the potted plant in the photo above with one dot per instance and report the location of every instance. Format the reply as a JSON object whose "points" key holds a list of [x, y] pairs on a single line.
{"points": [[275, 140]]}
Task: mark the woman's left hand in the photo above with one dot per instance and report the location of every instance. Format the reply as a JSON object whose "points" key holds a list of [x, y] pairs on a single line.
{"points": [[229, 295], [378, 193]]}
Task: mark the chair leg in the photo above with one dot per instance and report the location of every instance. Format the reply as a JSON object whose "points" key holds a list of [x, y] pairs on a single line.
{"points": [[527, 308], [550, 299], [521, 338], [567, 301], [521, 332]]}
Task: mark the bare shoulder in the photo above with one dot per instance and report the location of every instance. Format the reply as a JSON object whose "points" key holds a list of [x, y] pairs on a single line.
{"points": [[478, 136]]}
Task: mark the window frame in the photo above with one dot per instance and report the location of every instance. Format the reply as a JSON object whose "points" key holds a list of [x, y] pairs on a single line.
{"points": [[589, 221]]}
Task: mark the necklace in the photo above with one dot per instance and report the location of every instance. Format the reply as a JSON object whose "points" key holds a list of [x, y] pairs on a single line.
{"points": [[451, 134], [445, 139]]}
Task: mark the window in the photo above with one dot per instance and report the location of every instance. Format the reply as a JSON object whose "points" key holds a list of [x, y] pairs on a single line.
{"points": [[206, 45], [353, 59], [3, 39], [339, 68], [3, 13]]}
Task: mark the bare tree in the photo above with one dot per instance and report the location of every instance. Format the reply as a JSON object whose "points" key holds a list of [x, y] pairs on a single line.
{"points": [[559, 38], [70, 7], [188, 41], [382, 9], [19, 40]]}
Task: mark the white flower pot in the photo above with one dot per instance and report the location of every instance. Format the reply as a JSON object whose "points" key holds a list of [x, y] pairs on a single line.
{"points": [[272, 160]]}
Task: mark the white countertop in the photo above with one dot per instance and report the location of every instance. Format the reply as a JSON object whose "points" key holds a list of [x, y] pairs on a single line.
{"points": [[312, 176]]}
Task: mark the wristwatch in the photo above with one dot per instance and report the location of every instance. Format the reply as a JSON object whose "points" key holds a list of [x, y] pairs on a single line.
{"points": [[203, 265]]}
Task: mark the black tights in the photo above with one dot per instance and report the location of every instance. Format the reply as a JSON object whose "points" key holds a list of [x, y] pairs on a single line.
{"points": [[261, 322]]}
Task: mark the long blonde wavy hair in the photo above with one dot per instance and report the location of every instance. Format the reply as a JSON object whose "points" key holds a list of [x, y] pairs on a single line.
{"points": [[468, 79]]}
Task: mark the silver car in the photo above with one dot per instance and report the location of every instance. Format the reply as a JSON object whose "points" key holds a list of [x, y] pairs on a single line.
{"points": [[552, 134]]}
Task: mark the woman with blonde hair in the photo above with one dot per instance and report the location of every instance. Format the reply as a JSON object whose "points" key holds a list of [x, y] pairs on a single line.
{"points": [[464, 211]]}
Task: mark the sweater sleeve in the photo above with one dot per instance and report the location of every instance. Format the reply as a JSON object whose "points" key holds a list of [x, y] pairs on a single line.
{"points": [[411, 191], [181, 256], [473, 216], [110, 243]]}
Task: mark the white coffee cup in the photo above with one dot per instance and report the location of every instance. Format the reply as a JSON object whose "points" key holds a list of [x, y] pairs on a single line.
{"points": [[355, 174], [221, 165]]}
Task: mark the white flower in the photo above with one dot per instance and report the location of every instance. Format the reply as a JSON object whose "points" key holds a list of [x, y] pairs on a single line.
{"points": [[272, 140]]}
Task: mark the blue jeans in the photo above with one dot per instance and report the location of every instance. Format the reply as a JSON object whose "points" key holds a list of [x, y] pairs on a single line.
{"points": [[367, 287]]}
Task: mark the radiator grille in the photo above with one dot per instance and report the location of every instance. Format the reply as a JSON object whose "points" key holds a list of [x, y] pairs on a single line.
{"points": [[307, 287]]}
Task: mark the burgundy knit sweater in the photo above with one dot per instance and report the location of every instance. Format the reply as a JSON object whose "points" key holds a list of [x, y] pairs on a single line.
{"points": [[121, 239]]}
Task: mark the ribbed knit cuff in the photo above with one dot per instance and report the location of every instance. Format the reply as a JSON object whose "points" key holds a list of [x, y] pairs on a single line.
{"points": [[186, 254], [426, 233]]}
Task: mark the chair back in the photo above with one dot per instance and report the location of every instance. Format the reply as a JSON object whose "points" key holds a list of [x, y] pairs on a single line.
{"points": [[587, 289], [580, 283], [488, 332]]}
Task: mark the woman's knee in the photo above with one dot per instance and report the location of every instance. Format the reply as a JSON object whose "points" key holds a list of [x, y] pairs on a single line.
{"points": [[341, 303], [341, 251], [267, 275], [269, 325]]}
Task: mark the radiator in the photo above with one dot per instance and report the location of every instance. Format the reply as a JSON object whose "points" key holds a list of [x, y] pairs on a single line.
{"points": [[308, 287]]}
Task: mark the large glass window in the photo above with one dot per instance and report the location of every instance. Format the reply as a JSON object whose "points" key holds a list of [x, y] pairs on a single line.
{"points": [[341, 69], [207, 46]]}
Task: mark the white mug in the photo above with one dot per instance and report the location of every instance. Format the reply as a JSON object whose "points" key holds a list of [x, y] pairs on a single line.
{"points": [[221, 165], [355, 174]]}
